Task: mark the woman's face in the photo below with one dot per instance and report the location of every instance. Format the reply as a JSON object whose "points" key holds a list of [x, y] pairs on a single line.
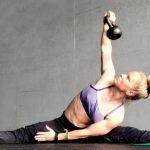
{"points": [[126, 82]]}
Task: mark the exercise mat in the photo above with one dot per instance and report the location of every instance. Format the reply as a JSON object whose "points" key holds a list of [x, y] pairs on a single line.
{"points": [[141, 144]]}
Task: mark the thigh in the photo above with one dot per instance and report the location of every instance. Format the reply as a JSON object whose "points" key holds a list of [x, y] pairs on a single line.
{"points": [[56, 124]]}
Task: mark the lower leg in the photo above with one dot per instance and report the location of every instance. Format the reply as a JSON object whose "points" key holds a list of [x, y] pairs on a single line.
{"points": [[128, 135], [21, 135], [26, 134], [121, 135]]}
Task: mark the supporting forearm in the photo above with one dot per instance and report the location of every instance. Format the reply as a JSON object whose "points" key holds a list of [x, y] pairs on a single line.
{"points": [[73, 135]]}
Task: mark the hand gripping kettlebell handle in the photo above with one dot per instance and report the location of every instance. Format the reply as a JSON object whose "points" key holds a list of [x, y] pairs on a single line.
{"points": [[114, 32]]}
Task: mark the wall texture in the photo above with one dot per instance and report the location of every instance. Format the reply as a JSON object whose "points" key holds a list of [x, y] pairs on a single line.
{"points": [[49, 51]]}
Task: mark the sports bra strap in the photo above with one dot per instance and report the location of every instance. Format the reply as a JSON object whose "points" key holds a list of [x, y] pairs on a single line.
{"points": [[113, 110], [101, 88]]}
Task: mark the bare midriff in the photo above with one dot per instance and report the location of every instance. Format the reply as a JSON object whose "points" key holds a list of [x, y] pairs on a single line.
{"points": [[76, 114]]}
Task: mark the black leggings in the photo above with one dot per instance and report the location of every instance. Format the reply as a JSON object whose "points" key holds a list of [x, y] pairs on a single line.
{"points": [[26, 134], [117, 135]]}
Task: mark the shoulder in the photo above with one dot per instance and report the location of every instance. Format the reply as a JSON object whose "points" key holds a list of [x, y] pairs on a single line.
{"points": [[104, 80], [107, 76]]}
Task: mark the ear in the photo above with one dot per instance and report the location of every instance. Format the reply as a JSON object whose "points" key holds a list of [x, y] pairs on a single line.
{"points": [[130, 93]]}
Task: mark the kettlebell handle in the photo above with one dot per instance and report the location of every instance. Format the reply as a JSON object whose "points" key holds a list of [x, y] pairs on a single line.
{"points": [[114, 32], [107, 20]]}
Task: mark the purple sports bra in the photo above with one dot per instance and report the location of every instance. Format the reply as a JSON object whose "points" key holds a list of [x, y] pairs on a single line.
{"points": [[88, 97]]}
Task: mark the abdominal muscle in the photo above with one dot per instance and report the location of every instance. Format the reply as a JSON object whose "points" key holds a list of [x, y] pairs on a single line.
{"points": [[76, 114]]}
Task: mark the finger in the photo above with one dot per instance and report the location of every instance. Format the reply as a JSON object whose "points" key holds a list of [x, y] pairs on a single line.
{"points": [[108, 13], [105, 14], [40, 139], [40, 136], [48, 128], [41, 133]]}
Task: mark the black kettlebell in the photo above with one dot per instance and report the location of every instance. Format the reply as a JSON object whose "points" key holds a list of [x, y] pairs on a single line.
{"points": [[114, 32]]}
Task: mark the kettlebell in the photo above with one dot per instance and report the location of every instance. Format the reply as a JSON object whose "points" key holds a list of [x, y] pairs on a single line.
{"points": [[114, 32]]}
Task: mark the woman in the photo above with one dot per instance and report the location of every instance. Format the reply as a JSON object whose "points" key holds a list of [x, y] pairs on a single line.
{"points": [[96, 111]]}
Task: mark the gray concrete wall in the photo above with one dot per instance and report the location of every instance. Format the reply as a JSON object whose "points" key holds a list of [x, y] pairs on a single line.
{"points": [[49, 51]]}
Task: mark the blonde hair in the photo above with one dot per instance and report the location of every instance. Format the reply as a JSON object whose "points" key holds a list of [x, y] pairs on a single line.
{"points": [[143, 89]]}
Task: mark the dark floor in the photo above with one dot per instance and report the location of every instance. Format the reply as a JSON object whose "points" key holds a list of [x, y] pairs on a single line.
{"points": [[71, 146]]}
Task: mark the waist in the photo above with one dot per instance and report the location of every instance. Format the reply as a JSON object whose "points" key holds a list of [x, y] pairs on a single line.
{"points": [[76, 114], [67, 124]]}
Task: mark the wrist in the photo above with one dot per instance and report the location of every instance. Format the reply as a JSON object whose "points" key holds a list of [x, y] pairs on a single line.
{"points": [[66, 134], [56, 136], [63, 135], [105, 27]]}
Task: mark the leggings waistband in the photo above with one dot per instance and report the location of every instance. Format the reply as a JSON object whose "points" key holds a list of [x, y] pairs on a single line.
{"points": [[67, 124]]}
